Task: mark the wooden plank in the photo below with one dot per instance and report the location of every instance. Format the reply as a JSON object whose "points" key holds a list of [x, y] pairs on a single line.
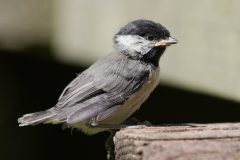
{"points": [[197, 142]]}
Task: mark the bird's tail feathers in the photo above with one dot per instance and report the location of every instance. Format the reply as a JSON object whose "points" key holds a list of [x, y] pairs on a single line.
{"points": [[36, 118]]}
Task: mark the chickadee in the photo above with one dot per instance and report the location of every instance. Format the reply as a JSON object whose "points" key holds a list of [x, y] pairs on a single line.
{"points": [[114, 87]]}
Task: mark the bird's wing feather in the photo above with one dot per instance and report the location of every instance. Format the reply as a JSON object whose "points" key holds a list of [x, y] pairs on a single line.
{"points": [[78, 94], [70, 85], [80, 89], [106, 84], [107, 113]]}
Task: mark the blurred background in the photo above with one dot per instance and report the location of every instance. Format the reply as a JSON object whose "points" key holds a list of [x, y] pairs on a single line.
{"points": [[44, 44]]}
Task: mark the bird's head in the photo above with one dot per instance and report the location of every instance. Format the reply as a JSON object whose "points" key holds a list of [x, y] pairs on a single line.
{"points": [[143, 40]]}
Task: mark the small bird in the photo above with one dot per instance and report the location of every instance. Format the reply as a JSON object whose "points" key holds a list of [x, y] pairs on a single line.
{"points": [[107, 93]]}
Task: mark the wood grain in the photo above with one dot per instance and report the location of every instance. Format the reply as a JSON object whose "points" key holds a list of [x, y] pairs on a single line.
{"points": [[185, 142]]}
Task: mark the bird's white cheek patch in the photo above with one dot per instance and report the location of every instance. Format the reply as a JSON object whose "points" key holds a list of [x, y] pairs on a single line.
{"points": [[133, 43]]}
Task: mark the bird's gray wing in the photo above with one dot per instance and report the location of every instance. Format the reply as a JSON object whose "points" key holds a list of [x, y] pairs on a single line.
{"points": [[107, 113], [80, 89], [106, 84]]}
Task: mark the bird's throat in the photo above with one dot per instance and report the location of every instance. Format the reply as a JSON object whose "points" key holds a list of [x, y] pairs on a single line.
{"points": [[153, 56]]}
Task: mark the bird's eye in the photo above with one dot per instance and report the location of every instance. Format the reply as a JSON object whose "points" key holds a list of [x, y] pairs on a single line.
{"points": [[150, 37]]}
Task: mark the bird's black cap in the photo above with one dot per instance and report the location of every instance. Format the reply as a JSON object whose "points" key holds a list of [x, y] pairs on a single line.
{"points": [[143, 28]]}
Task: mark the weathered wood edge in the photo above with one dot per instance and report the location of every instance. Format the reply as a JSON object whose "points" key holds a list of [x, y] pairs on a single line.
{"points": [[215, 141]]}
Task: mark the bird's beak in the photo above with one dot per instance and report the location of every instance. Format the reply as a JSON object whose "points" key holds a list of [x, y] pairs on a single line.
{"points": [[166, 42]]}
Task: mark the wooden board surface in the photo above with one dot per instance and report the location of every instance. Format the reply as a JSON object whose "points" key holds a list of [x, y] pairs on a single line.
{"points": [[197, 142]]}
